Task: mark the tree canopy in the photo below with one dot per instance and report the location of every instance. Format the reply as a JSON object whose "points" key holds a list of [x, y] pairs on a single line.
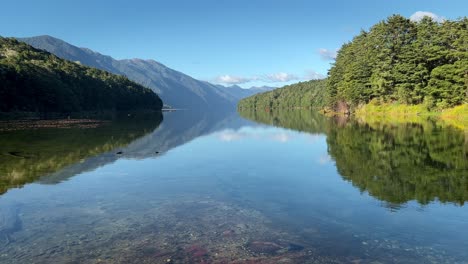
{"points": [[399, 60]]}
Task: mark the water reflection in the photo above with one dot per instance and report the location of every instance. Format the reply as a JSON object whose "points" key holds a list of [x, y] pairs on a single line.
{"points": [[400, 163], [28, 154], [50, 155], [395, 163], [225, 190]]}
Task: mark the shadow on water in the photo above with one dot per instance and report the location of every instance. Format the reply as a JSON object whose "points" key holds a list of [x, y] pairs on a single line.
{"points": [[29, 154], [395, 163]]}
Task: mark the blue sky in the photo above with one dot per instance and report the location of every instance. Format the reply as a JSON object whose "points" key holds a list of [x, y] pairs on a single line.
{"points": [[248, 42]]}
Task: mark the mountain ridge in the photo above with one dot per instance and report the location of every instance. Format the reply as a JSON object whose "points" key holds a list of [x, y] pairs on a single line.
{"points": [[174, 87]]}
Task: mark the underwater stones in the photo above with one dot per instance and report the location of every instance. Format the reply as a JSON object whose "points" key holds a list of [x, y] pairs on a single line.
{"points": [[228, 233], [263, 247], [197, 251]]}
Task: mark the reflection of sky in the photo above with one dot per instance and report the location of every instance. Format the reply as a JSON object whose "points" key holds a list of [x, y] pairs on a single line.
{"points": [[258, 133], [253, 134]]}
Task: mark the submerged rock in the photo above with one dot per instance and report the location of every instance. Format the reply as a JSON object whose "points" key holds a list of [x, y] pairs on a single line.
{"points": [[263, 247], [295, 247]]}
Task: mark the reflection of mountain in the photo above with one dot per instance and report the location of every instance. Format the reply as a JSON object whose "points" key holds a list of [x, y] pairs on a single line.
{"points": [[26, 155], [395, 163], [178, 128]]}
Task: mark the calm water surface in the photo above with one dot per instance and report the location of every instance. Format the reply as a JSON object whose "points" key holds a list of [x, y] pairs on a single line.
{"points": [[280, 187]]}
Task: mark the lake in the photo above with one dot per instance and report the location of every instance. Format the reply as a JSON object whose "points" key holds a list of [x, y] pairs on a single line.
{"points": [[259, 187]]}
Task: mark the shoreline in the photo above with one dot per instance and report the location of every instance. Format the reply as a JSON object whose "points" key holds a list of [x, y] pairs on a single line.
{"points": [[456, 116]]}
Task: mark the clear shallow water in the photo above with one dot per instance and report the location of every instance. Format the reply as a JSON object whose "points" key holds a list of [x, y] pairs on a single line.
{"points": [[222, 189]]}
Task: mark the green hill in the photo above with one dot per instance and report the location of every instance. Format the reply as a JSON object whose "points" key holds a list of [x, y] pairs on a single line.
{"points": [[310, 94], [33, 80]]}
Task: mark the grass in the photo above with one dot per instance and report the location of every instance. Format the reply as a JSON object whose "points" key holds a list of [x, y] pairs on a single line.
{"points": [[457, 116], [402, 113]]}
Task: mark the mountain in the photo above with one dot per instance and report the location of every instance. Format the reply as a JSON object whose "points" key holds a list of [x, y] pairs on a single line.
{"points": [[239, 93], [175, 88], [33, 80]]}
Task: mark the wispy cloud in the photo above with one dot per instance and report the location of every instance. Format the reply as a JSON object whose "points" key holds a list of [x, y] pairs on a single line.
{"points": [[229, 79], [327, 54], [419, 15], [272, 78], [313, 75], [280, 77]]}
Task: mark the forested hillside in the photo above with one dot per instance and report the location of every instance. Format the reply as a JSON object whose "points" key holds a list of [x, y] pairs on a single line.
{"points": [[399, 60], [32, 80], [310, 94]]}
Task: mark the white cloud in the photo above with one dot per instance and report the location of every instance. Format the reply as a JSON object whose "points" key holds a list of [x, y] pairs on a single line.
{"points": [[313, 75], [274, 77], [419, 15], [327, 54], [229, 79], [280, 77]]}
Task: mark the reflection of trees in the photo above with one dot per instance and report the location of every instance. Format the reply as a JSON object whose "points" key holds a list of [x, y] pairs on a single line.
{"points": [[301, 120], [399, 163], [395, 163], [26, 155]]}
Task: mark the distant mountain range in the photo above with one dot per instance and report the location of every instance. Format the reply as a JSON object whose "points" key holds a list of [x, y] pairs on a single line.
{"points": [[175, 88], [239, 93]]}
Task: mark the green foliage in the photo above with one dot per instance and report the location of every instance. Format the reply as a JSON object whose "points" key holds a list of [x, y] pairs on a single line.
{"points": [[308, 94], [32, 80], [403, 61]]}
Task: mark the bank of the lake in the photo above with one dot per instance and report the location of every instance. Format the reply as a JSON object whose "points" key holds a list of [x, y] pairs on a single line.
{"points": [[456, 116]]}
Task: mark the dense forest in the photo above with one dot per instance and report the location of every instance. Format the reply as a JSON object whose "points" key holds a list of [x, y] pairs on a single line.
{"points": [[33, 80], [397, 60], [310, 94]]}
